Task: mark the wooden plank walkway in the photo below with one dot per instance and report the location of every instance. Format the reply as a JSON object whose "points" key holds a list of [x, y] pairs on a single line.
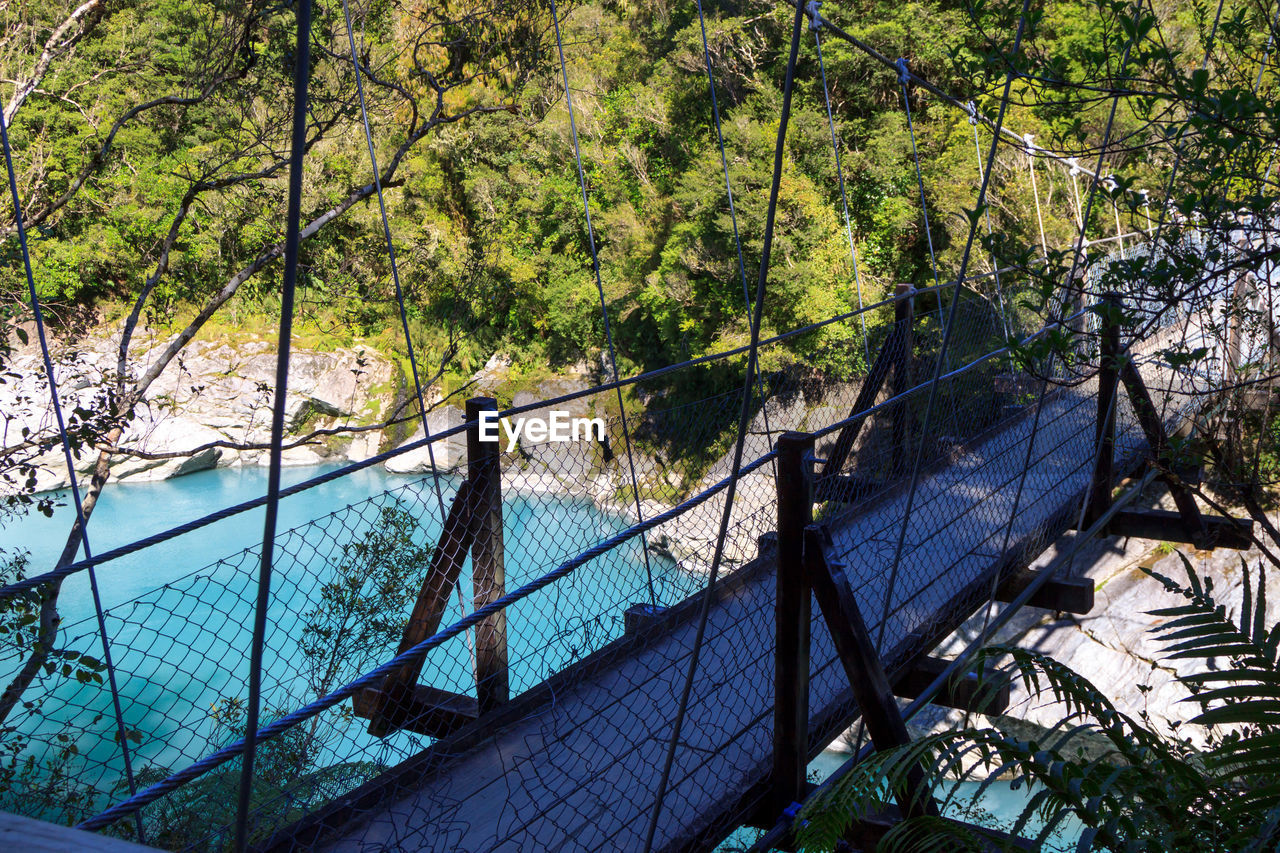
{"points": [[574, 763]]}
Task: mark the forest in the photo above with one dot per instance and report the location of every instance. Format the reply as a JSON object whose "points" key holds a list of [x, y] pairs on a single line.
{"points": [[151, 152]]}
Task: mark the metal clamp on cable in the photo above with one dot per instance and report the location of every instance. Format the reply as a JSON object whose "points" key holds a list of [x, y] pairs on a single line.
{"points": [[790, 813], [1031, 146], [815, 16], [904, 75], [972, 108]]}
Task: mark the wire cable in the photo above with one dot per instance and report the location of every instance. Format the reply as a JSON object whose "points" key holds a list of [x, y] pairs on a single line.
{"points": [[986, 212], [82, 521], [604, 308], [816, 26], [728, 189], [740, 443], [395, 277], [904, 76], [391, 256], [1035, 193], [946, 336], [301, 72]]}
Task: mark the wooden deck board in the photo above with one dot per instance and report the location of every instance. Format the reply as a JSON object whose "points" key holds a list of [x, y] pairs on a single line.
{"points": [[580, 772]]}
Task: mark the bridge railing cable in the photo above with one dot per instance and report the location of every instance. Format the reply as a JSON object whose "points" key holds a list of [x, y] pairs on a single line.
{"points": [[609, 574], [560, 400]]}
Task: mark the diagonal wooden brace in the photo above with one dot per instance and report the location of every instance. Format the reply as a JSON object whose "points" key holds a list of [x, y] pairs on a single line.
{"points": [[870, 685], [887, 358], [393, 704], [1154, 429]]}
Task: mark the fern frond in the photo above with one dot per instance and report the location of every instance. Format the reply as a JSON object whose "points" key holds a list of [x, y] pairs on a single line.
{"points": [[927, 834]]}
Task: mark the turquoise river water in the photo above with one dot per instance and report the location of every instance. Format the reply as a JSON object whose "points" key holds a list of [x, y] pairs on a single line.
{"points": [[185, 668]]}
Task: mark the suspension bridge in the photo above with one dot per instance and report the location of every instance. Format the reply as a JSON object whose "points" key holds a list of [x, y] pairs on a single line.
{"points": [[612, 699]]}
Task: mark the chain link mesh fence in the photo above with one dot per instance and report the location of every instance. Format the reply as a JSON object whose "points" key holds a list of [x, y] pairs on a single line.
{"points": [[993, 459]]}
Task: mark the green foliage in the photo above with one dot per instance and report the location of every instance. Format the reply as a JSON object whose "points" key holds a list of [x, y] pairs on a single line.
{"points": [[361, 611], [286, 785], [1132, 787], [354, 626], [38, 775]]}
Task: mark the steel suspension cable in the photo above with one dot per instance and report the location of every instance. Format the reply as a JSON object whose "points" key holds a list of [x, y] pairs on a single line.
{"points": [[604, 308], [1177, 158], [1075, 192], [743, 420], [904, 77], [395, 277], [1035, 192], [947, 331], [82, 521], [301, 72], [815, 24], [391, 256], [925, 84], [728, 189], [724, 160], [986, 212]]}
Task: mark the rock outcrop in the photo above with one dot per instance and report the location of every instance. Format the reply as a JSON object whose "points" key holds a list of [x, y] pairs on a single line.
{"points": [[210, 407], [1113, 646]]}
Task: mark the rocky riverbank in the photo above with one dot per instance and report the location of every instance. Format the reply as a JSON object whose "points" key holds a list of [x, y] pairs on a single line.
{"points": [[210, 408], [1113, 646]]}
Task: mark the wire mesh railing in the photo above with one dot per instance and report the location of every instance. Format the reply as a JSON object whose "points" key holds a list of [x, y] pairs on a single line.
{"points": [[550, 625], [347, 581]]}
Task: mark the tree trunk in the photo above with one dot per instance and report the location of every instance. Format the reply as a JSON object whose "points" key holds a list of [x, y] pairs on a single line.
{"points": [[49, 618]]}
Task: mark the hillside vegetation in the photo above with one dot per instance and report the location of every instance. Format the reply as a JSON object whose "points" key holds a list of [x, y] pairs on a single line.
{"points": [[485, 210]]}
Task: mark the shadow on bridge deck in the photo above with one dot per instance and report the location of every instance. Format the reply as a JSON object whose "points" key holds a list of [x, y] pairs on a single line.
{"points": [[574, 763]]}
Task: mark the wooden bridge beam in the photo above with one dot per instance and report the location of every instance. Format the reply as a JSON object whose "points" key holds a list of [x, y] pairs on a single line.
{"points": [[845, 440], [1071, 595], [1216, 531], [1099, 500], [1153, 427], [868, 831], [987, 694], [399, 703]]}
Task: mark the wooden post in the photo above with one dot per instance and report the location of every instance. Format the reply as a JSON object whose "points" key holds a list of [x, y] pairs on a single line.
{"points": [[791, 624], [904, 319], [1099, 500], [484, 474], [1077, 303], [1232, 366]]}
